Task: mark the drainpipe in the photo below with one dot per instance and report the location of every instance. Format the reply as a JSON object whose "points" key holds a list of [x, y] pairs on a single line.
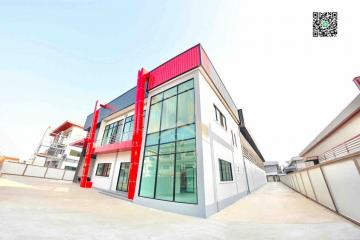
{"points": [[143, 76]]}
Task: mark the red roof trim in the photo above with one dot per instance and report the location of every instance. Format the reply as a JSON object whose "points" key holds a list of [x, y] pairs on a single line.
{"points": [[174, 67], [78, 143], [65, 125]]}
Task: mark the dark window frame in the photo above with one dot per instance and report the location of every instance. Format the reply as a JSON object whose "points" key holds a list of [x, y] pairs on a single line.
{"points": [[220, 118], [112, 130], [225, 169], [103, 170]]}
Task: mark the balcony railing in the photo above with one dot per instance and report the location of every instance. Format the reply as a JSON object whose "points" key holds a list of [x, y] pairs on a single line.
{"points": [[349, 147]]}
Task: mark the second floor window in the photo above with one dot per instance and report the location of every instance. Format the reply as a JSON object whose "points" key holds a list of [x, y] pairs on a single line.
{"points": [[112, 132], [128, 128], [220, 118]]}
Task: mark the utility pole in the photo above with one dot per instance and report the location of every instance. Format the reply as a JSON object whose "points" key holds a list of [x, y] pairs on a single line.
{"points": [[39, 146]]}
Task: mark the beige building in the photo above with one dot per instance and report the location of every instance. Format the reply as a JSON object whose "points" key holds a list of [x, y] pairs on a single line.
{"points": [[340, 138]]}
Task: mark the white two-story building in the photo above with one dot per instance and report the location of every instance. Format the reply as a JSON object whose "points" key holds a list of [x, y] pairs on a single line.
{"points": [[197, 156]]}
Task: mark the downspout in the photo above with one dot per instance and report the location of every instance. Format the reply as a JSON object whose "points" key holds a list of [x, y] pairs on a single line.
{"points": [[246, 175], [143, 76]]}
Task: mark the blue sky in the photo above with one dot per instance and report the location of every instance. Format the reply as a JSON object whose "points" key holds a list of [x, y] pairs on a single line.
{"points": [[58, 57]]}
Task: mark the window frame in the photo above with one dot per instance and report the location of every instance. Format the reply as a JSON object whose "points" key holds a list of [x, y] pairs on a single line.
{"points": [[225, 170], [160, 98], [105, 170], [114, 129], [220, 118]]}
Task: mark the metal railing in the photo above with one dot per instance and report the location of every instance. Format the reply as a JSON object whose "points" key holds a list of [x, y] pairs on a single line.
{"points": [[346, 148], [108, 140]]}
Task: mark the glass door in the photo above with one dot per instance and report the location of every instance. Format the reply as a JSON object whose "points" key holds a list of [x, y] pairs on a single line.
{"points": [[122, 184]]}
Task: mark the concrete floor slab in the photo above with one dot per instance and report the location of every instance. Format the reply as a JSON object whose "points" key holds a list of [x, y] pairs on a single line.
{"points": [[35, 208]]}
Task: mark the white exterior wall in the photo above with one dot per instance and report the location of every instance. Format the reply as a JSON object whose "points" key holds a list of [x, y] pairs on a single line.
{"points": [[109, 183], [101, 181], [217, 143]]}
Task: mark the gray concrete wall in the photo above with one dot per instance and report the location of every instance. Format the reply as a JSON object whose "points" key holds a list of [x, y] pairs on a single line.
{"points": [[333, 184]]}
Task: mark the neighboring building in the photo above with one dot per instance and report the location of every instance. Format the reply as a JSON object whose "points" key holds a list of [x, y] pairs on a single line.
{"points": [[4, 158], [340, 138], [272, 170], [296, 163], [197, 156], [55, 150]]}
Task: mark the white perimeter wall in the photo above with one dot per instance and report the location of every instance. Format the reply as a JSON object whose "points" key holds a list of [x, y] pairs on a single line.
{"points": [[335, 185], [22, 169], [217, 143]]}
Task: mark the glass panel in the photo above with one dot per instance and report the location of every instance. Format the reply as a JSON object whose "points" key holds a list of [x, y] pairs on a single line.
{"points": [[122, 184], [185, 146], [186, 132], [165, 178], [148, 177], [171, 92], [128, 128], [157, 98], [171, 118], [186, 85], [185, 178], [154, 118], [99, 169], [167, 148], [186, 108], [153, 150], [152, 139], [167, 136], [168, 117]]}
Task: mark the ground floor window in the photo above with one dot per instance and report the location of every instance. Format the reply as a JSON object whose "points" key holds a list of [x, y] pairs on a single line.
{"points": [[122, 184], [70, 168], [103, 169], [169, 164], [225, 171]]}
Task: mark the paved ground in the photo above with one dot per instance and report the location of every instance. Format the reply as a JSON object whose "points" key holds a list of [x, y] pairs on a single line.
{"points": [[33, 208]]}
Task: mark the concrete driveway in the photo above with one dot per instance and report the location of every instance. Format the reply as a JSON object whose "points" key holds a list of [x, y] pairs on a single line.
{"points": [[34, 208]]}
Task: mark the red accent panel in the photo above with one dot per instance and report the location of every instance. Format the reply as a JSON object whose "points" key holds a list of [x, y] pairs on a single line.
{"points": [[115, 147], [89, 150], [79, 143], [175, 67], [143, 76], [357, 81]]}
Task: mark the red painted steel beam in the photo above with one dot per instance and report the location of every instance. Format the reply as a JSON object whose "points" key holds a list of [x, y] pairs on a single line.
{"points": [[143, 77], [89, 150]]}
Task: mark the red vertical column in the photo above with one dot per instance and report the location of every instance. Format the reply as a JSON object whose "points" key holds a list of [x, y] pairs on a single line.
{"points": [[137, 132], [89, 150]]}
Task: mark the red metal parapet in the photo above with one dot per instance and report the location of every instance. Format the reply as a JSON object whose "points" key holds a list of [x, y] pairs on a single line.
{"points": [[143, 76], [176, 66]]}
